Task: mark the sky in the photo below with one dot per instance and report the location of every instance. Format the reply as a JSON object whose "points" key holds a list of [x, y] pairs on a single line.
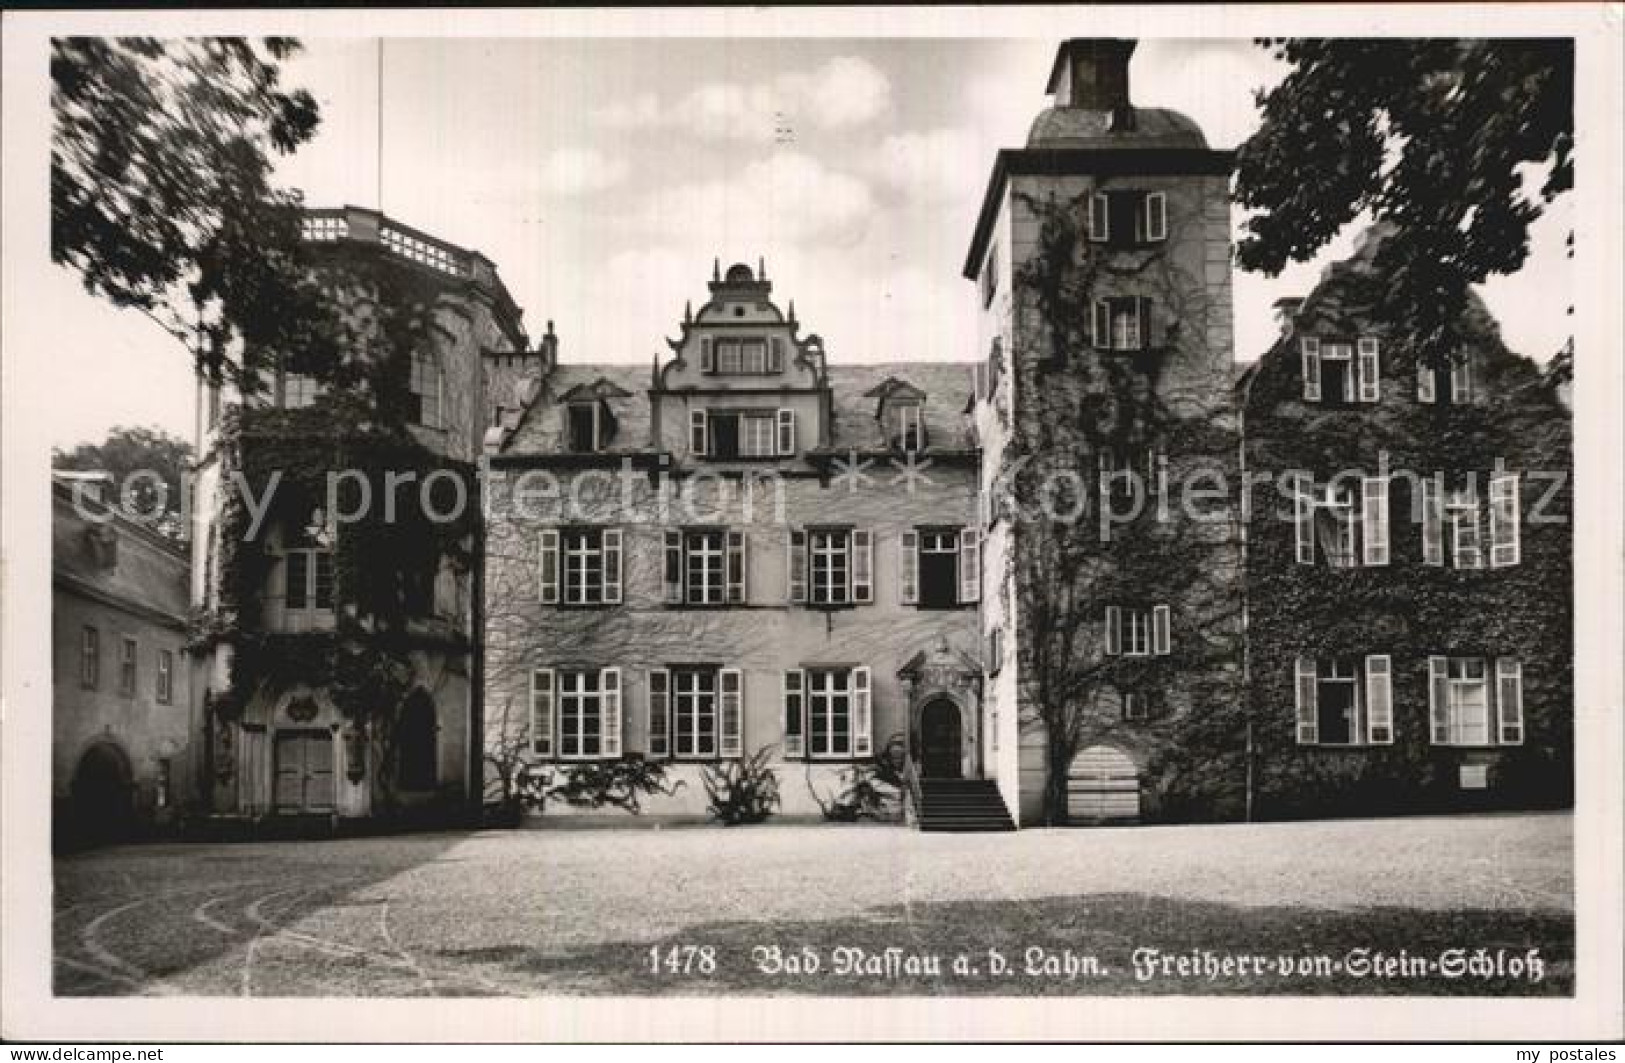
{"points": [[603, 177]]}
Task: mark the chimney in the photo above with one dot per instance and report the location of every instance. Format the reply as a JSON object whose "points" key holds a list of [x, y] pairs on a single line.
{"points": [[1286, 310], [550, 349], [1092, 73]]}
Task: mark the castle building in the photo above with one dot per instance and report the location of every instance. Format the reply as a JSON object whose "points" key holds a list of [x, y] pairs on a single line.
{"points": [[122, 718], [1409, 564], [336, 674]]}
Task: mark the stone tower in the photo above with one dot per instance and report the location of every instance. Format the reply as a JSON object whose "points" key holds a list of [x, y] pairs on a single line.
{"points": [[1138, 204]]}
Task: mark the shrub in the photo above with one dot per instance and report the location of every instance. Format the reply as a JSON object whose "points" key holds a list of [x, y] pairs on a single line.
{"points": [[744, 790]]}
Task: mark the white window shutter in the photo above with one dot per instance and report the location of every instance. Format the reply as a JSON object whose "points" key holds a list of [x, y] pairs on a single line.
{"points": [[699, 433], [609, 711], [970, 566], [1509, 700], [1303, 519], [1461, 380], [1426, 383], [737, 567], [862, 741], [548, 566], [1156, 217], [1505, 516], [659, 703], [787, 433], [612, 565], [795, 743], [795, 565], [1379, 696], [1310, 347], [1369, 369], [908, 568], [775, 355], [1374, 519], [673, 568], [541, 712], [1161, 635], [732, 713], [1432, 521], [1439, 699], [1114, 630], [1308, 711], [863, 566], [1099, 219], [1101, 325], [708, 360], [1466, 544]]}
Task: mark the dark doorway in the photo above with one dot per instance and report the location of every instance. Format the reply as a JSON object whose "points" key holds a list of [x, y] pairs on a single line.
{"points": [[417, 759], [941, 742], [103, 808], [939, 569]]}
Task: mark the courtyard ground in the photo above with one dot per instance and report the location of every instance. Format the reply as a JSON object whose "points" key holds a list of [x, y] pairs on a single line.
{"points": [[1452, 905]]}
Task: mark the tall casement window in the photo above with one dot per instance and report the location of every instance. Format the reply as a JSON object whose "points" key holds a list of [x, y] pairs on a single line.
{"points": [[1345, 701], [1341, 371], [580, 566], [741, 355], [907, 428], [90, 658], [126, 666], [1456, 519], [831, 566], [1475, 701], [575, 713], [1128, 218], [1451, 385], [731, 434], [427, 389], [1122, 324], [165, 692], [939, 568], [1137, 630], [705, 566], [1341, 524], [696, 712], [827, 713], [308, 575]]}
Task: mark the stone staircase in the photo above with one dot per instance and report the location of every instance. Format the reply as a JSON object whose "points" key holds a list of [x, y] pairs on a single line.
{"points": [[962, 805]]}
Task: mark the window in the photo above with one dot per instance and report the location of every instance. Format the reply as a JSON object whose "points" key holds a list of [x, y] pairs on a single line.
{"points": [[590, 426], [1137, 631], [1451, 385], [1465, 708], [1130, 473], [1339, 372], [737, 355], [1342, 524], [705, 567], [1137, 706], [1345, 701], [1122, 324], [166, 677], [990, 276], [837, 564], [90, 658], [126, 667], [1453, 521], [1128, 218], [910, 431], [993, 654], [742, 433], [580, 708], [827, 713], [425, 386], [940, 568], [309, 575], [586, 561], [299, 391], [831, 567]]}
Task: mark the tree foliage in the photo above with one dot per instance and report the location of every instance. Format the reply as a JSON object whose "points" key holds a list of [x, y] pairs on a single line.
{"points": [[162, 197], [1433, 139], [161, 458]]}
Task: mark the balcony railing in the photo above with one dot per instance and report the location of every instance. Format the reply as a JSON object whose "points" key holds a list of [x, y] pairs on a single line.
{"points": [[367, 226]]}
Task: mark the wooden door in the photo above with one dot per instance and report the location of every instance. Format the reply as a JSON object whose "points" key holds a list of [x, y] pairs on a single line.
{"points": [[304, 771]]}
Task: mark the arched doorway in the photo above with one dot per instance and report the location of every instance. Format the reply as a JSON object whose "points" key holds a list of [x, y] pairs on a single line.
{"points": [[941, 741], [1103, 786], [103, 806]]}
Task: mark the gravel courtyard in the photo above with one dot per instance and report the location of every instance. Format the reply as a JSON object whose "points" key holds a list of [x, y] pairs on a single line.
{"points": [[1454, 905]]}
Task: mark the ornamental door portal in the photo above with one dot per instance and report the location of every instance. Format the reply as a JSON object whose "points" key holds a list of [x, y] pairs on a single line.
{"points": [[944, 689]]}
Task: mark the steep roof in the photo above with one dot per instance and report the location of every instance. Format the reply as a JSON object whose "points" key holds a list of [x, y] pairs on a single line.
{"points": [[543, 428]]}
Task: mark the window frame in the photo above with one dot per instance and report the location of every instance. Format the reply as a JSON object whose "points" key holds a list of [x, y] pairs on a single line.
{"points": [[822, 688], [128, 671], [675, 732], [90, 657], [164, 688], [425, 368]]}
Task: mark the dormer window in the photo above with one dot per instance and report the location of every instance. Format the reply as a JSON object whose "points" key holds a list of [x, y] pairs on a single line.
{"points": [[1128, 218], [590, 427], [908, 427], [731, 434], [1337, 371]]}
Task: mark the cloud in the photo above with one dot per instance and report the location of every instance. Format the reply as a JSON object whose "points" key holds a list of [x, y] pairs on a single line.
{"points": [[578, 171], [843, 93], [934, 167], [786, 199]]}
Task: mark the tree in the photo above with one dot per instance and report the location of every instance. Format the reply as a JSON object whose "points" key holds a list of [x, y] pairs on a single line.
{"points": [[161, 193], [1432, 137], [160, 458]]}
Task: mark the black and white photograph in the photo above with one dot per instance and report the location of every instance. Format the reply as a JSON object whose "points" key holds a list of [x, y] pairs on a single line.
{"points": [[813, 525]]}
